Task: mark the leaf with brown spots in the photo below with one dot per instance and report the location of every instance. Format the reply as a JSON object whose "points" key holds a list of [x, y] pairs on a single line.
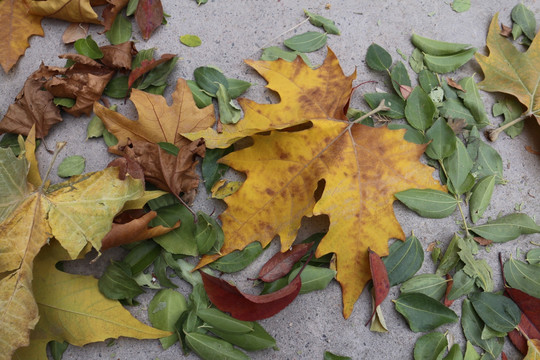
{"points": [[356, 169], [68, 10]]}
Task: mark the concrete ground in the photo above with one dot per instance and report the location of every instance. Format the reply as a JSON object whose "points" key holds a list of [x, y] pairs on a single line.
{"points": [[234, 30]]}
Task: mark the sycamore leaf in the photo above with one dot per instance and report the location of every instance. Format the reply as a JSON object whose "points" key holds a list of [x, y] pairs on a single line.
{"points": [[158, 122], [72, 309], [17, 27], [359, 168], [68, 10], [510, 71], [75, 212]]}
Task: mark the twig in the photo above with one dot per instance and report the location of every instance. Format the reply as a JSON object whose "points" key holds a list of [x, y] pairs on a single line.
{"points": [[59, 147], [277, 37], [380, 107], [493, 134]]}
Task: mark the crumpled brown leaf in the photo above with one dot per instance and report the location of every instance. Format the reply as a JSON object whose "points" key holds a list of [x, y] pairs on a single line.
{"points": [[118, 56], [32, 106], [111, 11], [74, 32], [175, 174]]}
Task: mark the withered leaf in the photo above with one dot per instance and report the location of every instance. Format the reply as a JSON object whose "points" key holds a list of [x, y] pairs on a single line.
{"points": [[506, 31], [381, 284], [529, 326], [111, 11], [281, 263], [149, 15], [447, 302], [454, 84], [74, 32], [146, 66], [118, 56]]}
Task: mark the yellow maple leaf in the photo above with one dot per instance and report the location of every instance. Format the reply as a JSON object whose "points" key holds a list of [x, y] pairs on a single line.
{"points": [[72, 309], [359, 167], [17, 27], [511, 71], [158, 122], [68, 10], [534, 350]]}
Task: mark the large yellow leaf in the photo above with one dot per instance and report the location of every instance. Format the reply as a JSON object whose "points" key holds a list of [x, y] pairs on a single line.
{"points": [[68, 10], [17, 27], [76, 212], [72, 309], [511, 71], [360, 168]]}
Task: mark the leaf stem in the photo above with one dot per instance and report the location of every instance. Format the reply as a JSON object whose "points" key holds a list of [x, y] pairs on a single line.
{"points": [[195, 218], [493, 134], [380, 107], [463, 218], [59, 147]]}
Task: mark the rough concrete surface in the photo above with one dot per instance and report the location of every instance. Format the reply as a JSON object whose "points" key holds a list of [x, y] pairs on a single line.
{"points": [[234, 30]]}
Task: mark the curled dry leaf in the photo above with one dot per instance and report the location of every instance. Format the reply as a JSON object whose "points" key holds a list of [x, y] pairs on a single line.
{"points": [[227, 297], [531, 150], [146, 66], [281, 263], [449, 285], [506, 31], [454, 84], [74, 32], [111, 11], [381, 284], [149, 16], [482, 241], [126, 166], [118, 56]]}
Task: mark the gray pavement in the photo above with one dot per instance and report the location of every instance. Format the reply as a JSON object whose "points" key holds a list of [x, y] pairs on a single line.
{"points": [[237, 29]]}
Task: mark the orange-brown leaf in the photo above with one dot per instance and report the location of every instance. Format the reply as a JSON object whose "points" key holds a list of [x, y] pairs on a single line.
{"points": [[118, 56], [111, 11], [74, 32]]}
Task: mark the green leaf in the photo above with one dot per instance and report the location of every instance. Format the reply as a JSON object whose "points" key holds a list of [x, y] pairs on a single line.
{"points": [[404, 260], [523, 276], [428, 203], [117, 88], [458, 166], [443, 140], [507, 228], [378, 58], [237, 87], [454, 109], [454, 353], [185, 271], [462, 284], [57, 349], [313, 278], [448, 63], [142, 255], [190, 40], [64, 101], [11, 141], [478, 269], [428, 81], [208, 78], [146, 54], [329, 356], [201, 98], [394, 102], [238, 259], [228, 112], [449, 92], [211, 348], [131, 7], [168, 147], [431, 285], [257, 339], [328, 25], [524, 17], [473, 101], [497, 311], [88, 47], [180, 240], [399, 76], [71, 165], [470, 352], [120, 31], [486, 159], [533, 256], [307, 42], [273, 53], [412, 135], [472, 326], [192, 323], [211, 170], [481, 197], [511, 109], [110, 139], [160, 271], [450, 258], [416, 61], [489, 333], [274, 285], [164, 310], [423, 313], [95, 128], [221, 321], [419, 109], [461, 5], [430, 346], [208, 234], [116, 283], [437, 47], [157, 77]]}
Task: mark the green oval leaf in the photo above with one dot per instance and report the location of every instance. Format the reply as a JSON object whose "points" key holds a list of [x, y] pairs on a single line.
{"points": [[306, 42], [257, 339], [423, 313], [497, 311], [412, 135], [533, 256], [437, 47], [473, 326], [237, 260], [430, 346], [419, 109], [507, 228], [428, 203], [229, 113], [71, 165], [313, 278], [524, 17], [120, 31], [116, 283], [201, 98], [209, 78], [190, 40], [164, 310], [462, 284], [481, 197], [378, 58], [208, 234], [399, 76], [117, 88], [431, 285], [458, 167], [211, 348], [394, 102], [273, 53], [142, 255], [221, 321], [237, 87], [404, 260], [448, 63], [443, 140], [180, 240], [454, 109], [428, 81], [473, 101], [88, 47], [454, 353], [523, 276], [328, 25]]}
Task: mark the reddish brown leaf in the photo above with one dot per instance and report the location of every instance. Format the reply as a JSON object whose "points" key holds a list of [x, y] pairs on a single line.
{"points": [[531, 150], [506, 31], [227, 297], [503, 356], [379, 275], [32, 106], [118, 56], [175, 174], [405, 91], [482, 241], [281, 263], [127, 166], [530, 318], [111, 11], [149, 15], [454, 84], [457, 125], [74, 32], [449, 285], [146, 66]]}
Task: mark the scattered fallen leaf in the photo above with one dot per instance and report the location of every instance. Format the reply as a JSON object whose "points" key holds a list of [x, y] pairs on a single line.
{"points": [[281, 263], [146, 66], [529, 326], [74, 32], [347, 156], [534, 350], [381, 284], [510, 71], [484, 242], [149, 16], [17, 27], [405, 91], [531, 150], [68, 10], [454, 84], [111, 11], [118, 56], [447, 302], [506, 31], [224, 188]]}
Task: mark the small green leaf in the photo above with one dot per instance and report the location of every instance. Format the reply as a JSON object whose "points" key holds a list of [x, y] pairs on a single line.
{"points": [[461, 5], [511, 109], [94, 128], [497, 311], [458, 166], [462, 284], [399, 76], [201, 98], [71, 165], [431, 285], [416, 61], [64, 101], [423, 313], [164, 310], [273, 53], [430, 346], [237, 87], [328, 25], [486, 159], [404, 260], [470, 352], [117, 88], [394, 102], [472, 326], [450, 258], [131, 7], [146, 54], [170, 148], [307, 42], [116, 283], [412, 135], [523, 276], [448, 63], [454, 109], [257, 339], [221, 321], [208, 78], [437, 47], [378, 58], [157, 77], [274, 285], [190, 40], [473, 101], [481, 197], [478, 269], [524, 17], [419, 109], [88, 47], [329, 356], [428, 203], [313, 278], [142, 255], [428, 81], [533, 256], [443, 140], [489, 333], [120, 31], [57, 349], [208, 234], [180, 240], [507, 228], [209, 347], [160, 271], [211, 170], [228, 112], [454, 353], [238, 259]]}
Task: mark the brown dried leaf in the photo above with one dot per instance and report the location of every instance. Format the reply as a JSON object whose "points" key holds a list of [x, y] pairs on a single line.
{"points": [[146, 66], [454, 84], [149, 15], [405, 91], [506, 31], [531, 150], [431, 246], [126, 166], [457, 125], [381, 284], [449, 285], [111, 11], [74, 32], [281, 263], [484, 242], [118, 56]]}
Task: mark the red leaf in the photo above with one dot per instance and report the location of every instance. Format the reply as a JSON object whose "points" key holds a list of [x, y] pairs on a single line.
{"points": [[281, 263], [379, 275], [227, 297], [503, 356], [149, 15], [530, 318], [449, 285], [146, 66]]}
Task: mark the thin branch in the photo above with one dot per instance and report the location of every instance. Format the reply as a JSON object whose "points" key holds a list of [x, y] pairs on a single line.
{"points": [[493, 134], [380, 107]]}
